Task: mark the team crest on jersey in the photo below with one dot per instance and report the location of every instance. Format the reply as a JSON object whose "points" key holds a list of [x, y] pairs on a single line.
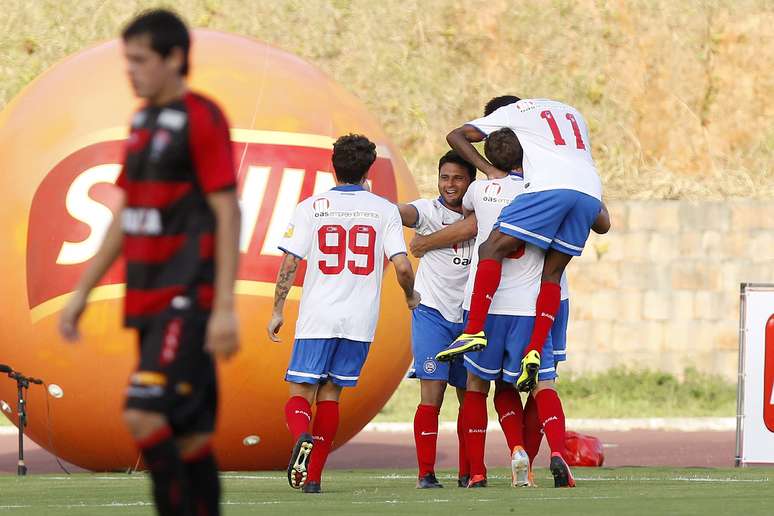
{"points": [[429, 366], [321, 205], [160, 141]]}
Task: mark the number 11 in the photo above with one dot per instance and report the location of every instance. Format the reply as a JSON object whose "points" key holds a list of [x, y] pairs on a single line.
{"points": [[558, 140]]}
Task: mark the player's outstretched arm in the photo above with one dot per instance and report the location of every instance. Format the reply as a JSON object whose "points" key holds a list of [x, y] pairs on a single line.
{"points": [[461, 231], [602, 223], [405, 274], [106, 255], [285, 279], [461, 138], [408, 214], [223, 329]]}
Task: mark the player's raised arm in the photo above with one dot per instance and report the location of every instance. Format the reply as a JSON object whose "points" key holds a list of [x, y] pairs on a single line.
{"points": [[460, 231], [285, 279], [461, 140], [602, 222], [106, 255]]}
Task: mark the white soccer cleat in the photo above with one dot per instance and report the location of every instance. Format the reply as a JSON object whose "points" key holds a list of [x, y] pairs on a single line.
{"points": [[520, 472]]}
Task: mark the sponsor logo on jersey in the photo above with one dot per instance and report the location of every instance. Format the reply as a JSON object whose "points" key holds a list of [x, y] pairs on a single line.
{"points": [[71, 209], [321, 206]]}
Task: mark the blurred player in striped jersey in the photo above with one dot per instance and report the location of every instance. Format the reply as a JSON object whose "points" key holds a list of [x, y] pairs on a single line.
{"points": [[178, 227], [437, 321], [343, 234]]}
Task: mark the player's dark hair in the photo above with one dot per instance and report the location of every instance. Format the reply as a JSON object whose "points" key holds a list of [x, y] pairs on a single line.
{"points": [[503, 149], [166, 30], [453, 157], [498, 102], [353, 155]]}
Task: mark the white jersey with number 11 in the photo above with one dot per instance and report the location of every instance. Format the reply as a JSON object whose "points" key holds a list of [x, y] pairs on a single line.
{"points": [[344, 234]]}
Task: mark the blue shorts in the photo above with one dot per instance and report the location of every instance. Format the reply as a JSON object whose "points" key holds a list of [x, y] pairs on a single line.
{"points": [[507, 338], [557, 219], [320, 360], [430, 334], [559, 331]]}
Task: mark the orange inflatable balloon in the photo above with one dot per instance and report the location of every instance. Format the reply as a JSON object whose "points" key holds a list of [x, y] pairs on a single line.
{"points": [[60, 148]]}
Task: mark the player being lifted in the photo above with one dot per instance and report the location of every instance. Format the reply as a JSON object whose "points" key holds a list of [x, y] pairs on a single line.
{"points": [[178, 225], [343, 234], [562, 199], [486, 199], [437, 321]]}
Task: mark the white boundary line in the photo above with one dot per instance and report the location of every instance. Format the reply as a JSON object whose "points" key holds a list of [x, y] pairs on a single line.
{"points": [[679, 424]]}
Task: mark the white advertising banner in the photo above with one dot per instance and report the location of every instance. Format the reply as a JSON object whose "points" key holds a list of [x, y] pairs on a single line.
{"points": [[755, 405]]}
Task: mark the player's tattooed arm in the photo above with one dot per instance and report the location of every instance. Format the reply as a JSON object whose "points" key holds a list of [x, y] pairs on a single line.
{"points": [[285, 279], [602, 223], [461, 140], [460, 231]]}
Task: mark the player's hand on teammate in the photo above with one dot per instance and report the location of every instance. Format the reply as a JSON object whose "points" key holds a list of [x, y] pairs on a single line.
{"points": [[274, 327], [413, 300], [418, 246], [68, 321], [222, 334]]}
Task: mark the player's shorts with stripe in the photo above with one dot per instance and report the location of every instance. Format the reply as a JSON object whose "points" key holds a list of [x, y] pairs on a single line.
{"points": [[507, 338], [176, 376], [320, 360], [431, 333], [559, 331], [557, 219]]}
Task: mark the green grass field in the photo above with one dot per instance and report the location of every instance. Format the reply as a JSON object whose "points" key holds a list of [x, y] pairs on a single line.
{"points": [[599, 491]]}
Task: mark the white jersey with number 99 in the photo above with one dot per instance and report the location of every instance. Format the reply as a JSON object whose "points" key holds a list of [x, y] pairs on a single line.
{"points": [[343, 234]]}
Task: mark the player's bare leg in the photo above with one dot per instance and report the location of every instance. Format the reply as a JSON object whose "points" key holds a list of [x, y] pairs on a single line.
{"points": [[161, 455], [475, 414], [298, 416], [426, 430], [546, 307], [491, 255], [463, 473], [510, 414], [202, 472], [326, 423], [551, 414]]}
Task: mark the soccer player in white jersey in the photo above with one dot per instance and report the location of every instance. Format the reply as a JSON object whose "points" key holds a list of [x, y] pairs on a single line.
{"points": [[343, 234], [437, 321], [562, 200]]}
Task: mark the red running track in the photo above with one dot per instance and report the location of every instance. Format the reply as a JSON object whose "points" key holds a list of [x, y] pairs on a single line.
{"points": [[378, 450]]}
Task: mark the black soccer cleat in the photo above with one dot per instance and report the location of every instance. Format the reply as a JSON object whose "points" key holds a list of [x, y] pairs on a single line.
{"points": [[428, 482], [463, 481], [299, 460], [311, 488], [561, 472]]}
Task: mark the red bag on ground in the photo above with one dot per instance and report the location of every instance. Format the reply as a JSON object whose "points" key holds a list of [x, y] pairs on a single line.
{"points": [[583, 450]]}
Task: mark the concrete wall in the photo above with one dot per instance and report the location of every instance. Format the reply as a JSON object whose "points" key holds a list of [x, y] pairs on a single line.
{"points": [[661, 290]]}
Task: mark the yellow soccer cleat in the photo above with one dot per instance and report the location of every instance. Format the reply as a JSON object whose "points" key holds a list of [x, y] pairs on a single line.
{"points": [[530, 365], [465, 343]]}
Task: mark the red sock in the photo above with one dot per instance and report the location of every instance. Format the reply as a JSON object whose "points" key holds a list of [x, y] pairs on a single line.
{"points": [[546, 306], [464, 469], [326, 422], [508, 406], [549, 409], [298, 415], [533, 432], [484, 288], [475, 438], [426, 437]]}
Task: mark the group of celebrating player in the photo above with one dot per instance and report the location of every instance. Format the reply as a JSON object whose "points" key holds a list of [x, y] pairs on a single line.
{"points": [[493, 309]]}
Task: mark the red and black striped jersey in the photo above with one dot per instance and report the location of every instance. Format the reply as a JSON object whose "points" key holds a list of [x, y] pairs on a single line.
{"points": [[176, 154]]}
